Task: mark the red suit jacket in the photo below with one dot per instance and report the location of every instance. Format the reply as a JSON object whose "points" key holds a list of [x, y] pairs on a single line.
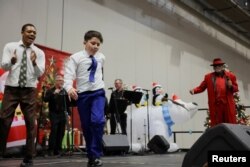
{"points": [[209, 84]]}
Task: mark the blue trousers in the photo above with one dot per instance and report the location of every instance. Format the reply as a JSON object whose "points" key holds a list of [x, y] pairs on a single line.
{"points": [[91, 111]]}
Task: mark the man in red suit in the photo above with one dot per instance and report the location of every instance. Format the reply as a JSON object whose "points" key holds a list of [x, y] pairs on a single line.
{"points": [[220, 85]]}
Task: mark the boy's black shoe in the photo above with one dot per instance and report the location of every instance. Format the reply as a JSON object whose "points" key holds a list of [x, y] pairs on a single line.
{"points": [[95, 163], [26, 163], [50, 153]]}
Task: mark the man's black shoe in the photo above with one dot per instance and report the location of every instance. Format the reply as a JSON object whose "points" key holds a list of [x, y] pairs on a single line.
{"points": [[28, 163]]}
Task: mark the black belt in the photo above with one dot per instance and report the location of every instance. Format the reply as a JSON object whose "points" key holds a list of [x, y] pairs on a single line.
{"points": [[18, 87]]}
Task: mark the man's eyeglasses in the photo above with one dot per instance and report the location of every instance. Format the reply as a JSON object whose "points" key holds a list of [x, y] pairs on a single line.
{"points": [[219, 65]]}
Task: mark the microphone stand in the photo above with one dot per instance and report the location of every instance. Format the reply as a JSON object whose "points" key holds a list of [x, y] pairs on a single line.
{"points": [[131, 124], [147, 97], [133, 98], [69, 145]]}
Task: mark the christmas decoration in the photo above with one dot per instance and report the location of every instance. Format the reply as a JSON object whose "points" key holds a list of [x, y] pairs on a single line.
{"points": [[46, 82], [144, 99], [241, 116], [207, 123], [158, 94]]}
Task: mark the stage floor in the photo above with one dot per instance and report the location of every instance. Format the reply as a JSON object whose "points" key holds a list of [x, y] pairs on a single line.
{"points": [[128, 160]]}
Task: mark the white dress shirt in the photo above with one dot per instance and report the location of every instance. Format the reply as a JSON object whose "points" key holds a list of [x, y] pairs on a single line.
{"points": [[77, 68], [33, 72]]}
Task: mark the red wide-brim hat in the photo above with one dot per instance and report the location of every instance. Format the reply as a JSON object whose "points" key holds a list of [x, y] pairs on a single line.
{"points": [[217, 61]]}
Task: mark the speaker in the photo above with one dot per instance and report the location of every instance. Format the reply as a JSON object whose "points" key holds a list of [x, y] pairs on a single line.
{"points": [[115, 144], [223, 137], [158, 144]]}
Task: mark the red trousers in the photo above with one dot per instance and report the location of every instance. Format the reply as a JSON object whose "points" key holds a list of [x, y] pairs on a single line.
{"points": [[222, 115]]}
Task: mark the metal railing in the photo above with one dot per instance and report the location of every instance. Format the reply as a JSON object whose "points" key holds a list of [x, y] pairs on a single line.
{"points": [[190, 132]]}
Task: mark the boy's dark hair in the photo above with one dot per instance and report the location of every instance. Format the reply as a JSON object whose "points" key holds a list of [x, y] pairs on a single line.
{"points": [[90, 34], [26, 25]]}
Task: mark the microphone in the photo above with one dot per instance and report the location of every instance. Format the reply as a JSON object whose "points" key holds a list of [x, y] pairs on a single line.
{"points": [[43, 88], [110, 88], [145, 89]]}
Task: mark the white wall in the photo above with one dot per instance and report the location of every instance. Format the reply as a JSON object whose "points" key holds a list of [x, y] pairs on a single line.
{"points": [[142, 44]]}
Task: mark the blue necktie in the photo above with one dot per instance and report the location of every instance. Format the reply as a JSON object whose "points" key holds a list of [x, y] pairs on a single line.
{"points": [[92, 69]]}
